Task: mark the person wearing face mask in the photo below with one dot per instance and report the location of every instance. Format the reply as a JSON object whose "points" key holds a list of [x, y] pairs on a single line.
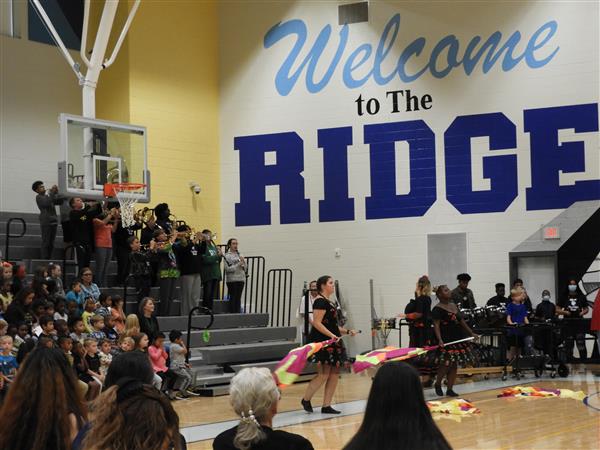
{"points": [[545, 310], [573, 305]]}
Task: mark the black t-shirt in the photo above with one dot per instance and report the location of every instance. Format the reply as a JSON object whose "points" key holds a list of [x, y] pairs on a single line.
{"points": [[423, 306], [573, 304], [122, 234], [93, 362], [545, 310], [189, 258], [81, 224], [329, 320], [149, 325], [497, 300], [450, 327], [275, 440]]}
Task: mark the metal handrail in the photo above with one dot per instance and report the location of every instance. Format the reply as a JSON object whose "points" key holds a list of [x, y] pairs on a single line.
{"points": [[66, 263], [279, 292], [190, 327], [8, 235]]}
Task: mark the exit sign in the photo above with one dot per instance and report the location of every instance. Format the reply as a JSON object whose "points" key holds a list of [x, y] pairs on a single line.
{"points": [[551, 233]]}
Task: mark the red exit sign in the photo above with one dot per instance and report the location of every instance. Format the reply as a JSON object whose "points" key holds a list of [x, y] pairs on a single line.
{"points": [[551, 233]]}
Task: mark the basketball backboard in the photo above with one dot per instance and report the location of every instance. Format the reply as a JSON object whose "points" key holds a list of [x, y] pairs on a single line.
{"points": [[96, 152]]}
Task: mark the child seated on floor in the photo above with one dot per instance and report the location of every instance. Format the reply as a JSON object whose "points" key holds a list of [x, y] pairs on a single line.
{"points": [[8, 364], [105, 356], [158, 357], [97, 323]]}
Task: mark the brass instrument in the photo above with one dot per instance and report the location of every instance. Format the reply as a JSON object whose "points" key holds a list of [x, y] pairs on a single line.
{"points": [[144, 215]]}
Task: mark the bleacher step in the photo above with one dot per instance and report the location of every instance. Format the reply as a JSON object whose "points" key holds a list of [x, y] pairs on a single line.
{"points": [[240, 353], [221, 321], [239, 335]]}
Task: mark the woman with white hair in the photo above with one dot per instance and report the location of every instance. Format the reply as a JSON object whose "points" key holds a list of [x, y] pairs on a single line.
{"points": [[254, 397]]}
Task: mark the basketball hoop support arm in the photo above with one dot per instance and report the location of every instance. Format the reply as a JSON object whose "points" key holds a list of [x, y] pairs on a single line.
{"points": [[94, 65]]}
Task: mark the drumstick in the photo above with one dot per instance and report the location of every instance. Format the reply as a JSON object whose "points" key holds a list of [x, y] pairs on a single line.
{"points": [[470, 338]]}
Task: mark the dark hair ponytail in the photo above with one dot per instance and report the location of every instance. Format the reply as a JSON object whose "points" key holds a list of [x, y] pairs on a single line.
{"points": [[322, 281]]}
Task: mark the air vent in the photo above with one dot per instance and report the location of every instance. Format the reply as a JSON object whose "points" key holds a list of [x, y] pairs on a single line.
{"points": [[353, 13]]}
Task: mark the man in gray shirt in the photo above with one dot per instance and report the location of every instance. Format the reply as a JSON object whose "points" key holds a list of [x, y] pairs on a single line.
{"points": [[48, 219]]}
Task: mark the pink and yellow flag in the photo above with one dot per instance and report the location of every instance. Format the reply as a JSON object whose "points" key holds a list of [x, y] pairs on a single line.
{"points": [[290, 367], [376, 357]]}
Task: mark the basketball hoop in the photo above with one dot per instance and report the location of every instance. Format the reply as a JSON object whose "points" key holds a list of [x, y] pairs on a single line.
{"points": [[127, 202]]}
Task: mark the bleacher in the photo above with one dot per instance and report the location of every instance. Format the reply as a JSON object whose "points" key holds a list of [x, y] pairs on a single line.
{"points": [[234, 341]]}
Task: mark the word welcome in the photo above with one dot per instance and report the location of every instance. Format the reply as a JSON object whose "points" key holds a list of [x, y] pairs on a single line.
{"points": [[549, 158], [446, 55]]}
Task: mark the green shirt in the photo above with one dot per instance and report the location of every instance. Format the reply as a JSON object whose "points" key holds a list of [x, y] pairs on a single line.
{"points": [[210, 268]]}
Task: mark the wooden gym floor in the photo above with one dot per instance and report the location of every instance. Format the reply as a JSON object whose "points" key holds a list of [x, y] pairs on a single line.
{"points": [[504, 423]]}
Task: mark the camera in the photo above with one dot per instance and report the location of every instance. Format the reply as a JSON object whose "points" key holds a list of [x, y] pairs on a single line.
{"points": [[195, 187]]}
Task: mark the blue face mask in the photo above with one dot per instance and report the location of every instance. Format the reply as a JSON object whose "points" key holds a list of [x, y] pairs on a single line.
{"points": [[572, 288]]}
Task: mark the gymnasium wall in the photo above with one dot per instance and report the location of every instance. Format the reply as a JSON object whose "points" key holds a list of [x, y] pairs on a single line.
{"points": [[165, 78], [169, 78], [502, 141], [36, 85]]}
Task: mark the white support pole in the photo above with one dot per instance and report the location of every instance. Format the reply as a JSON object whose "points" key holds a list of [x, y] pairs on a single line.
{"points": [[84, 32], [89, 85], [115, 52]]}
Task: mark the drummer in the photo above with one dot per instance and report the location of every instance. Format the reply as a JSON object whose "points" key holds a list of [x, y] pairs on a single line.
{"points": [[500, 298], [462, 296]]}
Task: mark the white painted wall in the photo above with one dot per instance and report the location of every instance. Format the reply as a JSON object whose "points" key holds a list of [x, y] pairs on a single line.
{"points": [[394, 251], [36, 85]]}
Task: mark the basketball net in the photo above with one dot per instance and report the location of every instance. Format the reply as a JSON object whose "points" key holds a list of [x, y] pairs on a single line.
{"points": [[127, 202]]}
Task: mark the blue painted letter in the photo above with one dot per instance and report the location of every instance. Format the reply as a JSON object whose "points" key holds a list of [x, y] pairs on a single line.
{"points": [[383, 202], [501, 170], [549, 157], [337, 205], [255, 175]]}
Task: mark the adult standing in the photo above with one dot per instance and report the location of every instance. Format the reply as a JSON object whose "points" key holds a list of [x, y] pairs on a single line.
{"points": [[462, 296], [81, 216], [148, 322], [168, 271], [573, 306], [210, 269], [331, 358], [420, 326], [500, 298], [310, 297], [121, 248], [104, 227], [449, 326], [189, 261], [48, 219], [235, 274]]}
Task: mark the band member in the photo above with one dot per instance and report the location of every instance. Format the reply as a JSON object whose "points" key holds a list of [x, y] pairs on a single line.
{"points": [[499, 299], [462, 296], [449, 326], [141, 266], [48, 219], [420, 331], [573, 305], [516, 314], [235, 274], [331, 358], [168, 271], [81, 216], [210, 268], [312, 295]]}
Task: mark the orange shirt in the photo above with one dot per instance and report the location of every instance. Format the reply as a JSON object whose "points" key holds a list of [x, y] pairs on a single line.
{"points": [[102, 234]]}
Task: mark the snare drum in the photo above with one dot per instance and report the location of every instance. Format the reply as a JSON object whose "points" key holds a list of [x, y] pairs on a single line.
{"points": [[384, 324]]}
